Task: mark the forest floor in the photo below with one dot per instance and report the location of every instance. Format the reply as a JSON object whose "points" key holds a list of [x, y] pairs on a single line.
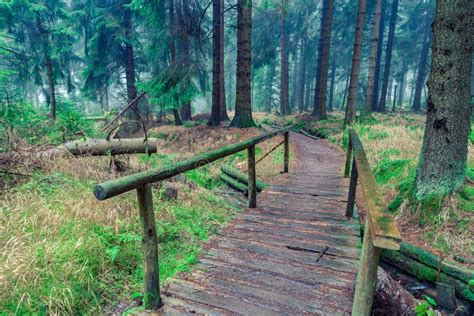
{"points": [[64, 252]]}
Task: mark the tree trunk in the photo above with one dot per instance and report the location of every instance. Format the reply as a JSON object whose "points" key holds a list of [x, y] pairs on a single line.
{"points": [[294, 78], [133, 114], [172, 31], [177, 118], [442, 165], [369, 92], [223, 107], [390, 298], [421, 76], [184, 39], [309, 88], [331, 89], [243, 107], [49, 67], [403, 76], [344, 96], [302, 75], [319, 110], [394, 97], [388, 56], [375, 95], [355, 69], [269, 83], [215, 119], [284, 71]]}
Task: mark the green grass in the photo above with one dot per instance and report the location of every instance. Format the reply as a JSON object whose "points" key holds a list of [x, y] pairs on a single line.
{"points": [[66, 253]]}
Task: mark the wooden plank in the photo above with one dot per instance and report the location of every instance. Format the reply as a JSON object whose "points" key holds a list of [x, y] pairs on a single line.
{"points": [[318, 277], [212, 297], [332, 298], [298, 255]]}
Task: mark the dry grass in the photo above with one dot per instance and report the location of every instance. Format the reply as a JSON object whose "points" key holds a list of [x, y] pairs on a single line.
{"points": [[64, 252], [393, 144]]}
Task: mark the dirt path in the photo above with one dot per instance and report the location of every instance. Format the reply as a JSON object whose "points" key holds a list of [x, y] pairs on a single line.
{"points": [[295, 254]]}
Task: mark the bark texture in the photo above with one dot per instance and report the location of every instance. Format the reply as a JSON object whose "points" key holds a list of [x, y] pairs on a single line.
{"points": [[390, 298], [388, 56], [243, 96], [369, 92], [355, 69], [421, 76], [132, 115], [320, 100], [215, 119], [442, 165], [375, 96], [223, 106]]}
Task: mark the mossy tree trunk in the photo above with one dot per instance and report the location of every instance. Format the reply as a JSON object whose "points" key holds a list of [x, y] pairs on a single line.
{"points": [[442, 165], [243, 106], [355, 69]]}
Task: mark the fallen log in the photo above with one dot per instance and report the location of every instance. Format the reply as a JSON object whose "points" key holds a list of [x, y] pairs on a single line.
{"points": [[234, 183], [91, 147], [425, 273], [390, 298], [431, 260], [242, 177]]}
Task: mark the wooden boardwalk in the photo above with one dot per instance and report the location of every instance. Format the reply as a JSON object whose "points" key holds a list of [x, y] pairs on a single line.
{"points": [[295, 254]]}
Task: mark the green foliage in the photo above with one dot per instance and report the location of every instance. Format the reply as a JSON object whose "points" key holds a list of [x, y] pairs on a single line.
{"points": [[424, 309], [70, 123]]}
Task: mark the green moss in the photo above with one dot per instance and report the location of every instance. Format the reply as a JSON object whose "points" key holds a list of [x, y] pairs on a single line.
{"points": [[388, 169]]}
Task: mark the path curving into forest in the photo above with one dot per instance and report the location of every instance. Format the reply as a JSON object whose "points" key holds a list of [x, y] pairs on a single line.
{"points": [[296, 253]]}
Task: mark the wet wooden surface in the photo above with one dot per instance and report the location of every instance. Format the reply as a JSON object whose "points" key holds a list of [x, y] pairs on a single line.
{"points": [[296, 253]]}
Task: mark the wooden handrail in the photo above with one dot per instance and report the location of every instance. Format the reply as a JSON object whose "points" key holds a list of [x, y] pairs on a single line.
{"points": [[141, 182], [380, 231], [118, 186], [384, 231]]}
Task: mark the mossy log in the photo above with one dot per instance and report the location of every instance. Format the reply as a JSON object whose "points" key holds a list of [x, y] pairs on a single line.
{"points": [[101, 147], [241, 176], [91, 147], [425, 273], [236, 184], [431, 260]]}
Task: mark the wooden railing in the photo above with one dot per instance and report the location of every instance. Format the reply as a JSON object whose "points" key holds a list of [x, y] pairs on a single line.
{"points": [[141, 182], [380, 230]]}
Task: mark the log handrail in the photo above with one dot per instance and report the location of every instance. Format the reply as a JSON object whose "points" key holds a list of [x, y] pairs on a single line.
{"points": [[380, 231], [141, 183], [118, 186]]}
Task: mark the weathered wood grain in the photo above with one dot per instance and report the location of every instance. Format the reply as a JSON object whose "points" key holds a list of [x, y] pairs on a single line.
{"points": [[295, 254]]}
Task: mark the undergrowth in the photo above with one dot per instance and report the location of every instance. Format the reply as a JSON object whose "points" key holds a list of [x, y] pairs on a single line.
{"points": [[392, 144], [64, 252]]}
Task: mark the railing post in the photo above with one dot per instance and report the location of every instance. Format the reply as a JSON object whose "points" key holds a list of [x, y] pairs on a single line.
{"points": [[352, 190], [367, 275], [149, 247], [286, 152], [348, 157], [252, 187]]}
